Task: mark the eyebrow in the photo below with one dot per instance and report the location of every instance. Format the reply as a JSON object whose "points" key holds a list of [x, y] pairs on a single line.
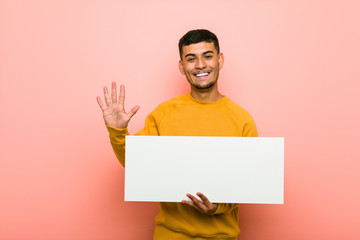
{"points": [[193, 55]]}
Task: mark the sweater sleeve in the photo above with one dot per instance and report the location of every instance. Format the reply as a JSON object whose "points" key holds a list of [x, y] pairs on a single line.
{"points": [[117, 136], [225, 207], [249, 130], [117, 140]]}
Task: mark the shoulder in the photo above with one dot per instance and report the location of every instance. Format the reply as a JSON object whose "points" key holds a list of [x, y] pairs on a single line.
{"points": [[237, 109], [249, 127]]}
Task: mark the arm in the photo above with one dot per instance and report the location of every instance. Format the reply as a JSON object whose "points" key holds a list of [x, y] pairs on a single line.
{"points": [[117, 137], [225, 207], [248, 131], [117, 140], [204, 205], [116, 119]]}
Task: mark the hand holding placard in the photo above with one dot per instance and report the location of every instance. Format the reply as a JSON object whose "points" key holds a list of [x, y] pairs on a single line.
{"points": [[204, 206]]}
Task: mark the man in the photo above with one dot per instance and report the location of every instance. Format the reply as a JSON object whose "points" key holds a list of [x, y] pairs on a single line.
{"points": [[202, 112]]}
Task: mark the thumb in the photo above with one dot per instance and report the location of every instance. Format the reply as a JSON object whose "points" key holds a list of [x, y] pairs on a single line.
{"points": [[133, 111]]}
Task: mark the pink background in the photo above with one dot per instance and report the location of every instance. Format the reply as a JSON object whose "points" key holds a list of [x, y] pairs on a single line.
{"points": [[294, 65]]}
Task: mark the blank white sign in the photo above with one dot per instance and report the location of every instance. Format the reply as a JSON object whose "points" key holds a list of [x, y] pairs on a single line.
{"points": [[225, 169]]}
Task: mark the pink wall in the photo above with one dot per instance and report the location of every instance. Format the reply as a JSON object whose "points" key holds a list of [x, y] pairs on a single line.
{"points": [[294, 65]]}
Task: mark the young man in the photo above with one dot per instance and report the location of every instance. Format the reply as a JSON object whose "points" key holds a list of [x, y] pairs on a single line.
{"points": [[202, 112]]}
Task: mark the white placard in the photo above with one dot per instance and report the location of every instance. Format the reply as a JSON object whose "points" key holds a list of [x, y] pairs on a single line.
{"points": [[225, 169]]}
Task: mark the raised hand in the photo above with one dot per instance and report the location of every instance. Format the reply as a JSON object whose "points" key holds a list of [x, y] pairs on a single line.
{"points": [[114, 111], [203, 205]]}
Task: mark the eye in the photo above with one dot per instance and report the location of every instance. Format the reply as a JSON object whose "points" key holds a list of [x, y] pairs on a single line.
{"points": [[208, 56], [190, 59]]}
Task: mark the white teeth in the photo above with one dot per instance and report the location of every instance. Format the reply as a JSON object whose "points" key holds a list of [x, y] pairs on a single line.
{"points": [[202, 74]]}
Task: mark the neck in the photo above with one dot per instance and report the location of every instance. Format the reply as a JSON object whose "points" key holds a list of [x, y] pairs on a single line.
{"points": [[206, 95]]}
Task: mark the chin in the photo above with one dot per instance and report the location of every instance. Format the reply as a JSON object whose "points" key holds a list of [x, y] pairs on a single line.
{"points": [[203, 86]]}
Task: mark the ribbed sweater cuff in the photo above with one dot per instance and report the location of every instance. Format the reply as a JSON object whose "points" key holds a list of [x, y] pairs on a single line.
{"points": [[116, 134], [225, 207]]}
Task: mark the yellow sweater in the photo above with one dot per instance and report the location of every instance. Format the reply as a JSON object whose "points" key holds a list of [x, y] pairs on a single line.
{"points": [[186, 116]]}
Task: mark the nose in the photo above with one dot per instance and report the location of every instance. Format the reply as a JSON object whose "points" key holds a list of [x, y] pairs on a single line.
{"points": [[200, 63]]}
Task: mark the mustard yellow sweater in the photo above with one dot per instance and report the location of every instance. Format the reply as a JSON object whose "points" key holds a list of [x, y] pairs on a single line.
{"points": [[186, 116]]}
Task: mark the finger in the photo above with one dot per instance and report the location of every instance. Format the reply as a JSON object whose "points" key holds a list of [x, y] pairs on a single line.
{"points": [[122, 95], [190, 203], [133, 111], [199, 204], [106, 95], [101, 104], [204, 199], [113, 92]]}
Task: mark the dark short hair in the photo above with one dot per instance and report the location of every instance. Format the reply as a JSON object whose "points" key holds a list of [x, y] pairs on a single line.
{"points": [[196, 36]]}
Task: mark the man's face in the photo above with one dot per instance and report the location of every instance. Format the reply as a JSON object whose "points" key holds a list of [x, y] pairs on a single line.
{"points": [[201, 64]]}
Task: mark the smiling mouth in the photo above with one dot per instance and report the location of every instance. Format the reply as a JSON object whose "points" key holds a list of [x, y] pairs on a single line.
{"points": [[203, 74]]}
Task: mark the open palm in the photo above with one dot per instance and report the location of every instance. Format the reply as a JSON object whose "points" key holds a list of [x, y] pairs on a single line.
{"points": [[114, 113]]}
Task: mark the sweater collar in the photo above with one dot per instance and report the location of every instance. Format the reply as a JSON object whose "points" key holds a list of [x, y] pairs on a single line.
{"points": [[219, 102]]}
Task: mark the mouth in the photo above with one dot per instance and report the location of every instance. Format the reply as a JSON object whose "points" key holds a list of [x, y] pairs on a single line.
{"points": [[202, 75]]}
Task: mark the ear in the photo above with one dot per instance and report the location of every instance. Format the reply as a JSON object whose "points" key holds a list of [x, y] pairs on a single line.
{"points": [[181, 67], [221, 60]]}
